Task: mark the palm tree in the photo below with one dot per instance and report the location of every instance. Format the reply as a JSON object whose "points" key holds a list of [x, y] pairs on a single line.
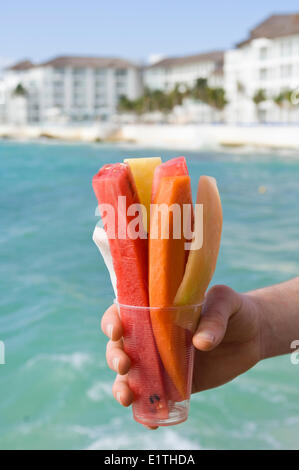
{"points": [[217, 98], [284, 98], [158, 100], [124, 104], [259, 96], [19, 90], [199, 90]]}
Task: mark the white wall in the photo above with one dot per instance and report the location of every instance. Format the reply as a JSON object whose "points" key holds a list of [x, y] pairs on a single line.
{"points": [[165, 78], [17, 111], [271, 65], [71, 94]]}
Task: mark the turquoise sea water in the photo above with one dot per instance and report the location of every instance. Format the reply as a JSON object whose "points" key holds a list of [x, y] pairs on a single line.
{"points": [[55, 388]]}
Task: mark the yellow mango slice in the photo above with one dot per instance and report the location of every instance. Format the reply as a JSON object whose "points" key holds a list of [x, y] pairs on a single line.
{"points": [[201, 262], [143, 174]]}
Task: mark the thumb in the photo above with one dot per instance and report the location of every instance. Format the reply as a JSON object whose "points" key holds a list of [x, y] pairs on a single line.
{"points": [[220, 304]]}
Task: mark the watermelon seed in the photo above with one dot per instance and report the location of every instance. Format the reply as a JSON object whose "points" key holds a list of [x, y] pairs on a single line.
{"points": [[154, 398]]}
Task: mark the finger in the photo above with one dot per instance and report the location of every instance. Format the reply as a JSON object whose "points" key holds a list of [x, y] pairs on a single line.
{"points": [[221, 303], [116, 357], [111, 324], [121, 390], [124, 395]]}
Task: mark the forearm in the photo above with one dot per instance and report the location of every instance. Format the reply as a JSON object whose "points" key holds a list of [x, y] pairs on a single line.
{"points": [[278, 308]]}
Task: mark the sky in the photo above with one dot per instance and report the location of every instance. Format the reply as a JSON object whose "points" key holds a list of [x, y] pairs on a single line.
{"points": [[133, 29]]}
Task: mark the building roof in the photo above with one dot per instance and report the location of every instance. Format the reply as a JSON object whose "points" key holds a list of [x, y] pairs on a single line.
{"points": [[215, 56], [22, 65], [76, 62], [274, 27], [85, 61]]}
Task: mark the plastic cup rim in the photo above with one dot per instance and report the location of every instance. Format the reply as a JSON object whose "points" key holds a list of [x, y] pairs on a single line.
{"points": [[171, 307]]}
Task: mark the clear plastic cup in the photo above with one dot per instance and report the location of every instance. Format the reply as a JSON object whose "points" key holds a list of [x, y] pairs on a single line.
{"points": [[158, 341]]}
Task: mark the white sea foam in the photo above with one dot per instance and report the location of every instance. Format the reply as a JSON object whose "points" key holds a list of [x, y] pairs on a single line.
{"points": [[271, 441], [99, 390], [142, 439], [76, 360], [291, 420]]}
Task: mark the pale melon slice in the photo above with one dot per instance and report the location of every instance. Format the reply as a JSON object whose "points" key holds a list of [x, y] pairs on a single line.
{"points": [[201, 262], [143, 174]]}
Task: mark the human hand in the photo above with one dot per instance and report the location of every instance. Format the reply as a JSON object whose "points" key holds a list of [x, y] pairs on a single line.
{"points": [[227, 342]]}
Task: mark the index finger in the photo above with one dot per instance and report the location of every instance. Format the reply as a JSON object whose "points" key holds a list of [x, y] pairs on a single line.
{"points": [[111, 324]]}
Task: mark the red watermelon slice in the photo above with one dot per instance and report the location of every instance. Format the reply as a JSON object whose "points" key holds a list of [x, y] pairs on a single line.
{"points": [[130, 261]]}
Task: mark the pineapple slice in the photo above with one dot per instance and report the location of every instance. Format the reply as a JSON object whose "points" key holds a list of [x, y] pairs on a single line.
{"points": [[143, 174]]}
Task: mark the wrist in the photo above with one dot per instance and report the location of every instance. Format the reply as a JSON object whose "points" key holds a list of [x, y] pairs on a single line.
{"points": [[273, 334], [254, 309], [265, 342]]}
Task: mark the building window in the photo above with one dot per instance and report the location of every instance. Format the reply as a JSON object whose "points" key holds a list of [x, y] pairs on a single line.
{"points": [[121, 72], [100, 104], [286, 47], [263, 53], [286, 71], [79, 71], [99, 97], [262, 115], [100, 72], [58, 84], [120, 85], [263, 74], [78, 83], [100, 83]]}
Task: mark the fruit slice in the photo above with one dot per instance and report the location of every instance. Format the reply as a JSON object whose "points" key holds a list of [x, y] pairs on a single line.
{"points": [[202, 262], [166, 271], [114, 187], [101, 240], [174, 167], [143, 174], [116, 192]]}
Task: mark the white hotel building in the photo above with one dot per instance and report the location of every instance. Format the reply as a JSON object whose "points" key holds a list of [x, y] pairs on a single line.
{"points": [[68, 89], [169, 72], [184, 71], [88, 88], [268, 60]]}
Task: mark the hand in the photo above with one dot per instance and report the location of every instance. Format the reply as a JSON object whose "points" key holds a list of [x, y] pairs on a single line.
{"points": [[227, 342], [228, 338]]}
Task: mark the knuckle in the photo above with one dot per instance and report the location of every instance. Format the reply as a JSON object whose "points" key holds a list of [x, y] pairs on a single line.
{"points": [[108, 349], [220, 291]]}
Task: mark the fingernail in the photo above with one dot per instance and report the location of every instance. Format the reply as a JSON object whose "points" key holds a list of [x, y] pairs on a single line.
{"points": [[206, 336], [109, 330], [118, 397], [115, 363]]}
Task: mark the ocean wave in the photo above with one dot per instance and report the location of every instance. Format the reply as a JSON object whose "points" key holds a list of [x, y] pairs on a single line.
{"points": [[76, 360], [99, 390], [162, 439]]}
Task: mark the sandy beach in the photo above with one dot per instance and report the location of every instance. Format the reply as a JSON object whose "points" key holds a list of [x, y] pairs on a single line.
{"points": [[190, 137]]}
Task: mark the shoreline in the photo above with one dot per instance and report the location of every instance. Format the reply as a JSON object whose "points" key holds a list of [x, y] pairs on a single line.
{"points": [[187, 137]]}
